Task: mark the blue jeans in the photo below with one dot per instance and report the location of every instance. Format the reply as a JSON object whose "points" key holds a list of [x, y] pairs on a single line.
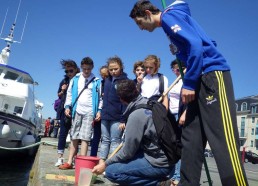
{"points": [[110, 137], [175, 173], [64, 129], [96, 139], [56, 132], [137, 171]]}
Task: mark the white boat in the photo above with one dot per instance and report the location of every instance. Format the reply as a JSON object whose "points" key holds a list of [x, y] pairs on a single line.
{"points": [[20, 112]]}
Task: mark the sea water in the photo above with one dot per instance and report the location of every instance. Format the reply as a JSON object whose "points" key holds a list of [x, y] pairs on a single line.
{"points": [[15, 169]]}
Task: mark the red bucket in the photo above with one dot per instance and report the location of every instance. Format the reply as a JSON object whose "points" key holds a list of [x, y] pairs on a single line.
{"points": [[84, 162]]}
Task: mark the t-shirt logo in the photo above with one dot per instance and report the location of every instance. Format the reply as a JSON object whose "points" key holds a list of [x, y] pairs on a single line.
{"points": [[176, 28]]}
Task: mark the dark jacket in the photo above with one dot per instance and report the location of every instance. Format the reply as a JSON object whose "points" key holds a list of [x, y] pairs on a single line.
{"points": [[112, 109], [60, 109]]}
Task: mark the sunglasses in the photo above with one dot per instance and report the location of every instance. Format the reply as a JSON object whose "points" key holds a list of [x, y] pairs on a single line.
{"points": [[69, 71]]}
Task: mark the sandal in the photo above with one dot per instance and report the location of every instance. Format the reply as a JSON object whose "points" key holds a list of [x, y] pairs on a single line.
{"points": [[66, 166]]}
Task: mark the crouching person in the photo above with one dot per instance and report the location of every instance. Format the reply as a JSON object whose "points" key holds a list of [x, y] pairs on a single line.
{"points": [[140, 161]]}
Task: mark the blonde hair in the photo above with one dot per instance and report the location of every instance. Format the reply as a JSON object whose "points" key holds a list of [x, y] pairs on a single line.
{"points": [[155, 60]]}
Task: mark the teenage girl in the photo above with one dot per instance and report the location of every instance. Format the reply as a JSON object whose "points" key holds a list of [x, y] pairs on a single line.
{"points": [[113, 109]]}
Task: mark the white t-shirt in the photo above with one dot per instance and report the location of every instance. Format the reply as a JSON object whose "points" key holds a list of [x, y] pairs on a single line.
{"points": [[150, 85], [84, 103], [174, 97]]}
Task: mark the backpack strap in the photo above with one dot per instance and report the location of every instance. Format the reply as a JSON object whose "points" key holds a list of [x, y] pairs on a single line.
{"points": [[148, 106], [161, 83], [85, 87]]}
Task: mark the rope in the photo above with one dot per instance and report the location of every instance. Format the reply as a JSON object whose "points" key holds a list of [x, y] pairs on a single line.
{"points": [[30, 146]]}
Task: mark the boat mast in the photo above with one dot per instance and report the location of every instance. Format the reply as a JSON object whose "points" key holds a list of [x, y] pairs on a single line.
{"points": [[4, 56]]}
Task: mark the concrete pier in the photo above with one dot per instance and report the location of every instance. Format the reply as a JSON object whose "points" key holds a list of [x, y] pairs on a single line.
{"points": [[44, 172]]}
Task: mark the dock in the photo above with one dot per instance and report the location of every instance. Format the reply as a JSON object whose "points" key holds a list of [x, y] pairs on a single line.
{"points": [[44, 172]]}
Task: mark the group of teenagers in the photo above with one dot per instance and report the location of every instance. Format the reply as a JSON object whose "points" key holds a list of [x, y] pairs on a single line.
{"points": [[205, 92]]}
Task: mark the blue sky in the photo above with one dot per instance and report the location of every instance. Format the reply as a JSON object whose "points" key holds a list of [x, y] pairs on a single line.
{"points": [[58, 29]]}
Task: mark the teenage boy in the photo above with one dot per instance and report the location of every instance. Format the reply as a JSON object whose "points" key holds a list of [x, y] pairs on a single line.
{"points": [[85, 110], [207, 90]]}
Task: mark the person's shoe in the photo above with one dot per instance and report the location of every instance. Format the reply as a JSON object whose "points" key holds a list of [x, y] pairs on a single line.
{"points": [[66, 166], [60, 161]]}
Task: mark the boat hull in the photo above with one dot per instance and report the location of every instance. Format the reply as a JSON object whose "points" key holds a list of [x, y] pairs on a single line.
{"points": [[13, 129]]}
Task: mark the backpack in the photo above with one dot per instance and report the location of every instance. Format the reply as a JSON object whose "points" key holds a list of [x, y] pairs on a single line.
{"points": [[57, 104], [167, 137]]}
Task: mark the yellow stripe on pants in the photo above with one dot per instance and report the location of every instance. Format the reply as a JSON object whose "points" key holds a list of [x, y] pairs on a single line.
{"points": [[228, 130]]}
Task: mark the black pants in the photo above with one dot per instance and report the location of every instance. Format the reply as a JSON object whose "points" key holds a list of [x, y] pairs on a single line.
{"points": [[212, 117]]}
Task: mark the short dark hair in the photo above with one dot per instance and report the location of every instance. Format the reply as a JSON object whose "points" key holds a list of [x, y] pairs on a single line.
{"points": [[140, 7], [175, 62], [87, 61], [138, 64], [68, 63], [126, 90]]}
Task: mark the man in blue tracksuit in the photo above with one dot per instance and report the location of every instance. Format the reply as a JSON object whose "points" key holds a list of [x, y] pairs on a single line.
{"points": [[207, 90]]}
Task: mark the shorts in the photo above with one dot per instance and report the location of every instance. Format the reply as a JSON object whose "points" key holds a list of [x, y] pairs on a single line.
{"points": [[82, 127]]}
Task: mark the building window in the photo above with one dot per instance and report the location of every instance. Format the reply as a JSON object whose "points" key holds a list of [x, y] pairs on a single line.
{"points": [[244, 106], [253, 119], [236, 106], [252, 131], [252, 143], [253, 109], [242, 142], [242, 129], [256, 130]]}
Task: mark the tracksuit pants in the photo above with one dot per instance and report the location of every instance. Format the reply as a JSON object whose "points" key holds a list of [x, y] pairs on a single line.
{"points": [[212, 117]]}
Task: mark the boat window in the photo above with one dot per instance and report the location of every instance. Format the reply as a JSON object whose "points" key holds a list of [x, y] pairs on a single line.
{"points": [[11, 75], [18, 110], [20, 79]]}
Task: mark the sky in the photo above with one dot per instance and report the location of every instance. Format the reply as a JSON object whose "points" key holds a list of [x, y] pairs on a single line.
{"points": [[58, 29]]}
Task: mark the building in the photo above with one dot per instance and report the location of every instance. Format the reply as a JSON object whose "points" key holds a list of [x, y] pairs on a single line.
{"points": [[247, 122]]}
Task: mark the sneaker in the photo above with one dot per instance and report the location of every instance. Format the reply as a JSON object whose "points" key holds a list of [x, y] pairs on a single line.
{"points": [[60, 161], [66, 166]]}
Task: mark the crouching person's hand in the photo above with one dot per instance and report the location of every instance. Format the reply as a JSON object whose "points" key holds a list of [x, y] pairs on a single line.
{"points": [[100, 168], [121, 126]]}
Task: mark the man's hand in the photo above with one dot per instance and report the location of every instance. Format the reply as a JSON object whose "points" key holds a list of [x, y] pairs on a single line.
{"points": [[187, 95], [100, 168]]}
